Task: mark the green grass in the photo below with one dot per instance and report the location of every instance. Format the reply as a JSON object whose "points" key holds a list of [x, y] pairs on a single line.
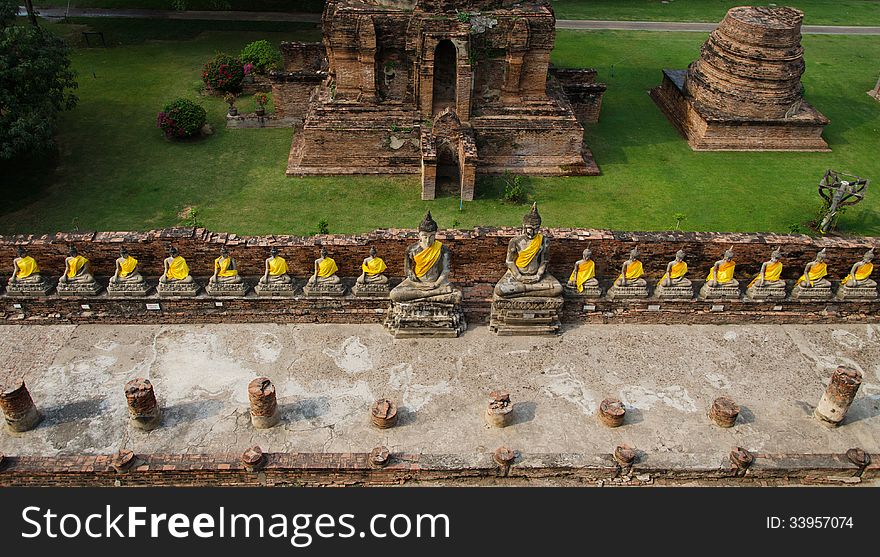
{"points": [[817, 12], [115, 171]]}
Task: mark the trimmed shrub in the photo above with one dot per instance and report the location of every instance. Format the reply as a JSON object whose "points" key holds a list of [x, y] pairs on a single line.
{"points": [[224, 73], [181, 118], [262, 55]]}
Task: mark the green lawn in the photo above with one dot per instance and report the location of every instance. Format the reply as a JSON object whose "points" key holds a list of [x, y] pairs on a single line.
{"points": [[817, 12], [117, 172]]}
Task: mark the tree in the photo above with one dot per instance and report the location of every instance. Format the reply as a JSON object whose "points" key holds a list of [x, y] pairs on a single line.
{"points": [[35, 83]]}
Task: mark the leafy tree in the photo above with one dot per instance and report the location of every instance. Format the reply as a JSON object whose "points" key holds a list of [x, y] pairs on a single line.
{"points": [[35, 83]]}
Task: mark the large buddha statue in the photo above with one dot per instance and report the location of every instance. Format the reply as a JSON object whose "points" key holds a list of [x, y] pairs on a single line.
{"points": [[768, 283], [26, 278], [526, 262], [127, 279], [631, 282], [275, 279], [424, 304], [226, 281], [324, 280], [176, 279], [583, 281], [858, 283], [720, 282], [77, 278], [674, 284], [813, 284], [372, 280], [426, 269]]}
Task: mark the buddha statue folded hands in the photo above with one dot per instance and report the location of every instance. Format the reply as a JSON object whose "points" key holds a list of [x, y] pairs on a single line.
{"points": [[527, 256]]}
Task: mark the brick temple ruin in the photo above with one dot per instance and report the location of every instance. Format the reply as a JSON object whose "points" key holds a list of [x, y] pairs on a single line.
{"points": [[744, 93], [446, 89]]}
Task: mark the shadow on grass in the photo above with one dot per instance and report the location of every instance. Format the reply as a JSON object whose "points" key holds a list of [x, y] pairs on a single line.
{"points": [[25, 180]]}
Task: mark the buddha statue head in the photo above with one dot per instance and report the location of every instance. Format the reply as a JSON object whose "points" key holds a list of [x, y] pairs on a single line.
{"points": [[869, 256], [820, 257], [634, 254], [775, 255], [224, 252], [679, 255], [21, 251], [273, 252], [123, 253], [587, 254], [728, 255], [71, 251], [172, 251], [373, 251], [323, 252], [427, 231], [532, 222]]}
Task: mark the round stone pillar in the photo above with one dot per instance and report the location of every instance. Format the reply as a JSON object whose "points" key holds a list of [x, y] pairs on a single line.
{"points": [[500, 410], [143, 410], [264, 406], [835, 402], [18, 407]]}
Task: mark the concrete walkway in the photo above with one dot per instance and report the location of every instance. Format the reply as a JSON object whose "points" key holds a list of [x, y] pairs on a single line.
{"points": [[53, 13]]}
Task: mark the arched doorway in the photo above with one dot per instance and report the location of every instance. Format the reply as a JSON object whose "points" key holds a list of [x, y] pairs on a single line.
{"points": [[448, 177], [445, 76]]}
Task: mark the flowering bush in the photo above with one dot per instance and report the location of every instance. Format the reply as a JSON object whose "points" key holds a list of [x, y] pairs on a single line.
{"points": [[262, 55], [223, 73], [181, 118], [262, 99], [248, 68]]}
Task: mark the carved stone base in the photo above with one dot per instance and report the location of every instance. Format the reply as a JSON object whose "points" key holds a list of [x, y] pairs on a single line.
{"points": [[286, 289], [589, 292], [627, 292], [857, 293], [221, 289], [526, 316], [674, 292], [78, 289], [720, 292], [425, 319], [178, 289], [128, 289], [812, 293], [28, 290], [324, 290], [368, 290], [765, 293]]}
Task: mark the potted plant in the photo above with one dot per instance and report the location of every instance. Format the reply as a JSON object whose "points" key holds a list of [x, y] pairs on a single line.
{"points": [[230, 100], [261, 99], [248, 73]]}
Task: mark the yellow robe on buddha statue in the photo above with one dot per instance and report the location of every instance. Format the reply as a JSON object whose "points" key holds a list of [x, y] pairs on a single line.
{"points": [[327, 268], [817, 271], [633, 271], [75, 265], [863, 273], [277, 266], [374, 266], [585, 272], [725, 272], [426, 258], [223, 263], [525, 256], [178, 269], [127, 266], [771, 273], [27, 266], [679, 270]]}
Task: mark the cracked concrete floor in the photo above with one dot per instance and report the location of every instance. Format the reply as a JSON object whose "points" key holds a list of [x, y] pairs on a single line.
{"points": [[327, 376]]}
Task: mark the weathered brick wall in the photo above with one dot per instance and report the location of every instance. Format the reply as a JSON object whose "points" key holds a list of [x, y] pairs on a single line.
{"points": [[478, 254], [291, 92], [582, 91], [323, 469], [302, 57]]}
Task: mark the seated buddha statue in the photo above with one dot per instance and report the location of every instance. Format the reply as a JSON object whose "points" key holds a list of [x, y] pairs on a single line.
{"points": [[25, 270], [858, 283], [325, 270], [674, 283], [77, 269], [526, 263], [583, 276], [126, 270], [275, 269], [426, 266], [720, 282], [225, 269], [813, 284], [632, 271], [769, 280], [373, 268], [175, 269]]}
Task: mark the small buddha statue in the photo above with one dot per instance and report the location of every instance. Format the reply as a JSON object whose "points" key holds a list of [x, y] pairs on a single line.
{"points": [[768, 283], [372, 280], [126, 270], [275, 269], [720, 282], [526, 262], [77, 278], [324, 280], [858, 283], [631, 282], [674, 283], [26, 278], [175, 269], [813, 284], [583, 277], [426, 266], [225, 269]]}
